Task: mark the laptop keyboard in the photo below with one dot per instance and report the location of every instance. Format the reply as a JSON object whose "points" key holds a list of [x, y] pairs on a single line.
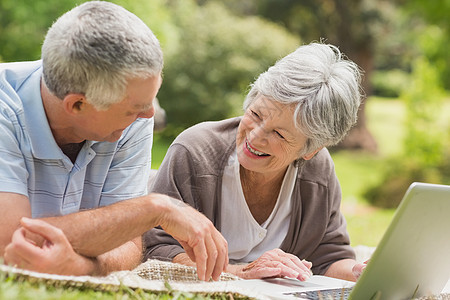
{"points": [[331, 294]]}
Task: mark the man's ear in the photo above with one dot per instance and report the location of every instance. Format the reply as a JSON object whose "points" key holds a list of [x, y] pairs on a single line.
{"points": [[74, 103], [311, 155]]}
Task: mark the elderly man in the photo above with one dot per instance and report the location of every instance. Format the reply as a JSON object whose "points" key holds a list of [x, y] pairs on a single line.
{"points": [[75, 150]]}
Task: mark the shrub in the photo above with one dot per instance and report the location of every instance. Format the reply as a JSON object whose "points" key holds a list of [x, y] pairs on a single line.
{"points": [[398, 177]]}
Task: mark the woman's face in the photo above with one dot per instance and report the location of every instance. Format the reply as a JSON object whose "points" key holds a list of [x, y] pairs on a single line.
{"points": [[267, 139]]}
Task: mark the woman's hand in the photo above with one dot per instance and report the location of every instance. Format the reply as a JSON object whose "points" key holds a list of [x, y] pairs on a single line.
{"points": [[274, 263], [55, 255], [359, 268]]}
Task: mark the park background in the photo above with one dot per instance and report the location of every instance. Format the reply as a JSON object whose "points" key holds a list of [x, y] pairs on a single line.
{"points": [[213, 50]]}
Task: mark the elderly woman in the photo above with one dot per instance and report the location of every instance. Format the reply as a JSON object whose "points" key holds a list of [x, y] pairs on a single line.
{"points": [[265, 179]]}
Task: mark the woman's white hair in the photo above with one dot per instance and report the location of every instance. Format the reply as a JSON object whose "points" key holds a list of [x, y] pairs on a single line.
{"points": [[94, 49], [322, 86]]}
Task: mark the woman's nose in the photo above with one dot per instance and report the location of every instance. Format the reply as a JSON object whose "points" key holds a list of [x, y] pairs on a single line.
{"points": [[259, 133]]}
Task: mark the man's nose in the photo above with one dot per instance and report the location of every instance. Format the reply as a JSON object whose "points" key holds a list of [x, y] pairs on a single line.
{"points": [[148, 113]]}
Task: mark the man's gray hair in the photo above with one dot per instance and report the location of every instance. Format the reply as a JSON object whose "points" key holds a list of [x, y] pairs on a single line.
{"points": [[321, 84], [94, 49]]}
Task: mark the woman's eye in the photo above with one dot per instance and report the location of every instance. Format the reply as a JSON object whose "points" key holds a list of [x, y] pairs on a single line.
{"points": [[279, 135], [255, 114]]}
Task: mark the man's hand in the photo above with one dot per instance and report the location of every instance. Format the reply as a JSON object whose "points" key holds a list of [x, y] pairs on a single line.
{"points": [[200, 239], [274, 263], [55, 255]]}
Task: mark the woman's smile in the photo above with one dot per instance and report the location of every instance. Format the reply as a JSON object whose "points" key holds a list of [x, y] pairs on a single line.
{"points": [[254, 151]]}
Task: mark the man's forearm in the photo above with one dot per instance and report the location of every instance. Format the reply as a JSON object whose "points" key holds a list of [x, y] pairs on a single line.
{"points": [[125, 257], [94, 232]]}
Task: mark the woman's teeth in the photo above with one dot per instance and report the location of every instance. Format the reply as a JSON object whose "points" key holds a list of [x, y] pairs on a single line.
{"points": [[255, 151]]}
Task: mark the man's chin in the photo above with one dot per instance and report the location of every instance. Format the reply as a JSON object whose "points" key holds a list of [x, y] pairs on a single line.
{"points": [[115, 136]]}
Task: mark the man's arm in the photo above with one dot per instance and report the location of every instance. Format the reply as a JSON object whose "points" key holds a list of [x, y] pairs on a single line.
{"points": [[100, 230], [125, 257], [57, 256], [14, 207], [103, 229], [92, 232]]}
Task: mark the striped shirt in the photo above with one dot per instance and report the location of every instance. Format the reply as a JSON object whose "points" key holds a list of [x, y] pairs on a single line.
{"points": [[32, 164]]}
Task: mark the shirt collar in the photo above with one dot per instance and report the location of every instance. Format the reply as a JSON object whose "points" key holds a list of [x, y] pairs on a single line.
{"points": [[43, 143]]}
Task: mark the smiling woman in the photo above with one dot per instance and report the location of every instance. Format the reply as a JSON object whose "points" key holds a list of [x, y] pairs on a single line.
{"points": [[265, 179], [267, 139]]}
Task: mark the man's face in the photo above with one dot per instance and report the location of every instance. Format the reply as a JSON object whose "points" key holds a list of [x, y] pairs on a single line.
{"points": [[108, 125]]}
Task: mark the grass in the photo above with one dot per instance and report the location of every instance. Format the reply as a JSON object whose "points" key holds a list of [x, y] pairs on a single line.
{"points": [[17, 288], [356, 171]]}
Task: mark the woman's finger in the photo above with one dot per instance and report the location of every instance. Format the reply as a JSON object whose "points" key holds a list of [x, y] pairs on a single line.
{"points": [[293, 266]]}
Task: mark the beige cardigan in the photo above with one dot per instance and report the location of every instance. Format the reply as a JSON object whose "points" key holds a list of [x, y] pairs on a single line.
{"points": [[192, 171]]}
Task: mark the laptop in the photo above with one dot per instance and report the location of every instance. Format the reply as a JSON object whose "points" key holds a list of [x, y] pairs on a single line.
{"points": [[412, 259]]}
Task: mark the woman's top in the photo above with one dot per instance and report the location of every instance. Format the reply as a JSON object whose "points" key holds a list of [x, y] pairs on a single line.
{"points": [[193, 169], [253, 239]]}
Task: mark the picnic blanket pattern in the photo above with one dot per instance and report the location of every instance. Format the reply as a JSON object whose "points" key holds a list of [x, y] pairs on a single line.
{"points": [[153, 276]]}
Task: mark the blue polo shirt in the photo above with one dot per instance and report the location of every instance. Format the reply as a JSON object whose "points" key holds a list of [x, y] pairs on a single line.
{"points": [[32, 164]]}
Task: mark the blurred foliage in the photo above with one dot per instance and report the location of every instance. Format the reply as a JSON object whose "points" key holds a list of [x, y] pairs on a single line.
{"points": [[215, 58], [426, 157], [434, 19], [353, 25], [23, 25], [157, 15], [389, 83]]}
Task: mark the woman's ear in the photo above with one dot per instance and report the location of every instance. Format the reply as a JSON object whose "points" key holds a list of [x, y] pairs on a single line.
{"points": [[74, 103], [311, 155]]}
